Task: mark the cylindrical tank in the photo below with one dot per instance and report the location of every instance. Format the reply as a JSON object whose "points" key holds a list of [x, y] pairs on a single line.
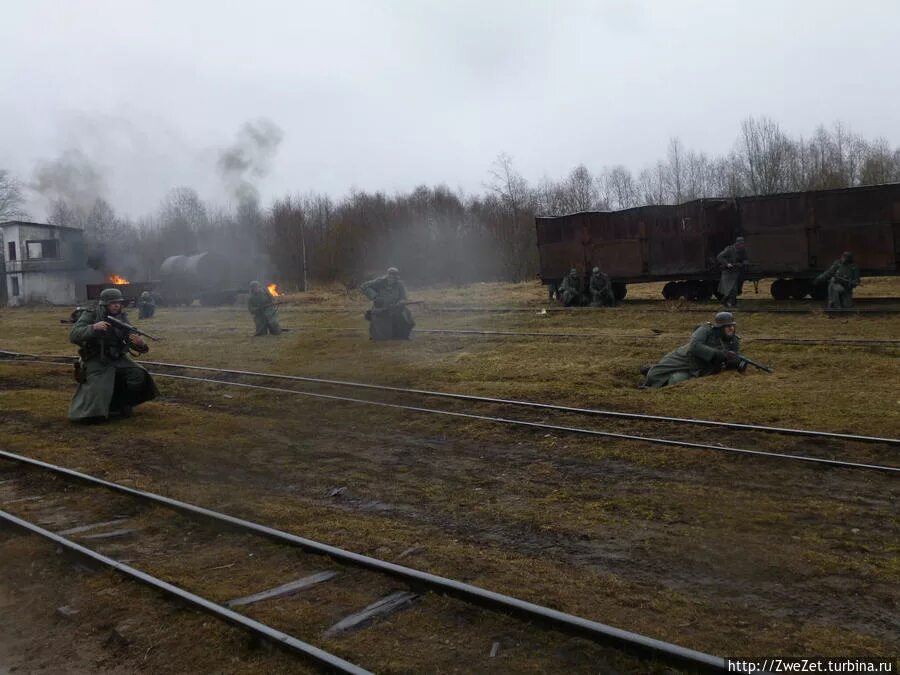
{"points": [[185, 277]]}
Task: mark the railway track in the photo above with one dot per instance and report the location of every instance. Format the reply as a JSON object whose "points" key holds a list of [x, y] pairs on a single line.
{"points": [[674, 309], [100, 515], [162, 369], [839, 342]]}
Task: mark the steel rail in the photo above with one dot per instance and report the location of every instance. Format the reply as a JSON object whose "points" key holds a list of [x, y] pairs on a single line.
{"points": [[628, 641], [548, 427], [848, 342], [670, 310], [262, 630], [514, 402], [534, 425]]}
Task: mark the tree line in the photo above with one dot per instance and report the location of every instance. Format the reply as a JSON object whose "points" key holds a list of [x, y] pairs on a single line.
{"points": [[436, 235]]}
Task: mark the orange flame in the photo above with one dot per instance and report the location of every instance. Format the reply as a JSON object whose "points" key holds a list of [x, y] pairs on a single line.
{"points": [[116, 279], [273, 289]]}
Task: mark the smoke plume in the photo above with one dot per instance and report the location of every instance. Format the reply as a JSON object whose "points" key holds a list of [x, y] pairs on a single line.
{"points": [[249, 157], [71, 178]]}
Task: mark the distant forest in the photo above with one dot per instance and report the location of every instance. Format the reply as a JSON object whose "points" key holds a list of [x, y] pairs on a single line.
{"points": [[435, 235]]}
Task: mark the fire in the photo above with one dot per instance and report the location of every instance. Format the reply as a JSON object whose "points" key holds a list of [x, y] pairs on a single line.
{"points": [[272, 288], [116, 279]]}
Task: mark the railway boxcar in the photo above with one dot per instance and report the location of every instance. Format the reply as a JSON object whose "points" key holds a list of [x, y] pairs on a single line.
{"points": [[790, 237]]}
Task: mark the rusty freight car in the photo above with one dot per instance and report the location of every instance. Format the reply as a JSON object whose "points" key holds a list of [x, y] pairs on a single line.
{"points": [[790, 237]]}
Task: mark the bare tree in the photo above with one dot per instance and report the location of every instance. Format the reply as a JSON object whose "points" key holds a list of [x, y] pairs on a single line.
{"points": [[581, 191], [765, 153], [620, 188], [11, 200], [513, 223]]}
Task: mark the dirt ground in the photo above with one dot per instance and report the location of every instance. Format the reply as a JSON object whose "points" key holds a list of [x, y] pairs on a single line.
{"points": [[730, 555]]}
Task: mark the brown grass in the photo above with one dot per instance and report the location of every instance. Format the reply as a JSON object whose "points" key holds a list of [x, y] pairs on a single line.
{"points": [[718, 553]]}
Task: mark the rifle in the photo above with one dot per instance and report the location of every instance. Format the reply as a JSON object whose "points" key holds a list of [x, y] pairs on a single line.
{"points": [[118, 323], [753, 363]]}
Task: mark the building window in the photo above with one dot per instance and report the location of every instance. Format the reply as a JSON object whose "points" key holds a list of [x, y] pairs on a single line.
{"points": [[15, 286], [44, 248], [12, 251]]}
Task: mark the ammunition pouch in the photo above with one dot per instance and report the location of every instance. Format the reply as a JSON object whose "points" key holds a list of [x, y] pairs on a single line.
{"points": [[368, 315]]}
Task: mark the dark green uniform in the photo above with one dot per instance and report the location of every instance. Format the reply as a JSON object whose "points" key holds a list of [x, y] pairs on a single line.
{"points": [[569, 293], [110, 380], [261, 305], [389, 318], [601, 290], [842, 277], [146, 306], [705, 354], [732, 282]]}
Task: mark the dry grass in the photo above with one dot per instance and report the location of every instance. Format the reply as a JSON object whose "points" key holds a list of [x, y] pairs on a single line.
{"points": [[719, 553]]}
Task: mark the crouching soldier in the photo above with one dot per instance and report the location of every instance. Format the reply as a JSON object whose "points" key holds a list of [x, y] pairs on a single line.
{"points": [[842, 278], [713, 347], [568, 293], [109, 381], [261, 305], [389, 318], [146, 306], [601, 289]]}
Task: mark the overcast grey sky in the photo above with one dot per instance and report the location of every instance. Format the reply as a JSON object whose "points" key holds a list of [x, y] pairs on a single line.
{"points": [[392, 93]]}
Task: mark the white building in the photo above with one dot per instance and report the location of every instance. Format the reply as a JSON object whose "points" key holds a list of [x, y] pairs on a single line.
{"points": [[41, 263]]}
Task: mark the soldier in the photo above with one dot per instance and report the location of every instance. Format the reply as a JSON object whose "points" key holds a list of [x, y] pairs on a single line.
{"points": [[601, 289], [733, 261], [713, 346], [146, 306], [109, 380], [568, 293], [389, 318], [842, 277], [262, 306]]}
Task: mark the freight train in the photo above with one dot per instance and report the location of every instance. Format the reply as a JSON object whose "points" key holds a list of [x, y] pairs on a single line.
{"points": [[790, 237]]}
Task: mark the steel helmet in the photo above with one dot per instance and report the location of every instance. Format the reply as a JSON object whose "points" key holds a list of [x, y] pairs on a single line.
{"points": [[108, 295], [393, 272], [725, 319]]}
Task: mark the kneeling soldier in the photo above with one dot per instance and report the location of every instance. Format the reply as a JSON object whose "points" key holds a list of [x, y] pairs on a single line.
{"points": [[842, 277], [601, 289], [389, 318], [109, 380], [568, 293], [713, 346]]}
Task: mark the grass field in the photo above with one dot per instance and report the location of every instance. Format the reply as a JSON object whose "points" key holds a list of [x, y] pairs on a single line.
{"points": [[725, 554]]}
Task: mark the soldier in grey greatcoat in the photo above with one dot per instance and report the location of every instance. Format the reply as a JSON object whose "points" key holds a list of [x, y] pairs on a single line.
{"points": [[842, 277], [389, 317], [713, 347], [146, 306], [261, 305], [109, 380], [600, 289], [568, 293], [733, 262]]}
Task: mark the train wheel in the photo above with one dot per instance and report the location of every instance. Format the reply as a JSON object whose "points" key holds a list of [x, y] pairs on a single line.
{"points": [[671, 291], [619, 291], [781, 289]]}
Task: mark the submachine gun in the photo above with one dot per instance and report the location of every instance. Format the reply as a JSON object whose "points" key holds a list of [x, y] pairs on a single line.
{"points": [[128, 328], [744, 361]]}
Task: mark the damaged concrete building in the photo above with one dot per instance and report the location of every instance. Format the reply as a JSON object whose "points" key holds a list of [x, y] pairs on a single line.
{"points": [[41, 263]]}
